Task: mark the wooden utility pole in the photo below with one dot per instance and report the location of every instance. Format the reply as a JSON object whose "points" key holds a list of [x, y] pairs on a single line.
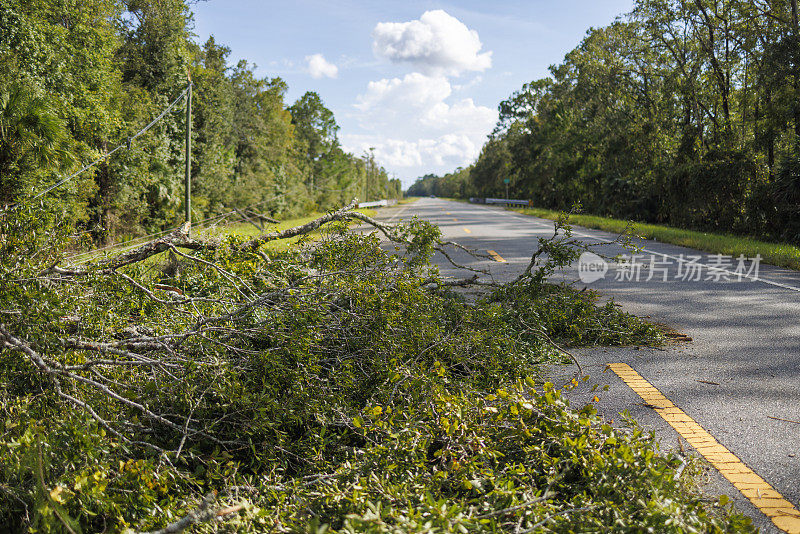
{"points": [[370, 173], [187, 179]]}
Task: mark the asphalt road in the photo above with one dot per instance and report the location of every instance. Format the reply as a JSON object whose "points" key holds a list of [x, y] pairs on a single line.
{"points": [[739, 377]]}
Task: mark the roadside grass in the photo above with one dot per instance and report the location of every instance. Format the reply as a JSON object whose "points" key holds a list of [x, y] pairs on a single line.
{"points": [[243, 229], [246, 229], [781, 255]]}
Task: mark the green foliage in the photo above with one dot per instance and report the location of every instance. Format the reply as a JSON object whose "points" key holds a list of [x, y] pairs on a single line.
{"points": [[780, 254], [343, 395], [81, 77], [573, 317], [784, 192], [683, 113], [710, 194], [315, 125], [33, 140], [453, 185]]}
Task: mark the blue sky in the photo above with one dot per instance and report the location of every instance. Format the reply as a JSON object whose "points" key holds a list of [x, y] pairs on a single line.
{"points": [[417, 80]]}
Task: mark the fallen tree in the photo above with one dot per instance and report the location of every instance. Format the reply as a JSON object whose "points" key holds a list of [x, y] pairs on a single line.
{"points": [[336, 383]]}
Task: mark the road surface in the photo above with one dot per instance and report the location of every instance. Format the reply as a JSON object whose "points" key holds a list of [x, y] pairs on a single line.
{"points": [[739, 377]]}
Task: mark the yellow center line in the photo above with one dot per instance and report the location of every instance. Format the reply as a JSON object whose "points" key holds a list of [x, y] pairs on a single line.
{"points": [[497, 257], [782, 512], [467, 230]]}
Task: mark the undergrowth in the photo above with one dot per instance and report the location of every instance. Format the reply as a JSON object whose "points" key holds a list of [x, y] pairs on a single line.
{"points": [[331, 387], [779, 254]]}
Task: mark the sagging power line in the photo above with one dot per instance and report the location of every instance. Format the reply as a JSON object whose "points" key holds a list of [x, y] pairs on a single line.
{"points": [[126, 144]]}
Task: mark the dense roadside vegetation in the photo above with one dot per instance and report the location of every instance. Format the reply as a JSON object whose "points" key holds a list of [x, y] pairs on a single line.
{"points": [[780, 254], [682, 112], [332, 386], [78, 78]]}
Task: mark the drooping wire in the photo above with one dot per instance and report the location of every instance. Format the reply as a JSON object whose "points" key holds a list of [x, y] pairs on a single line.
{"points": [[84, 256], [107, 155]]}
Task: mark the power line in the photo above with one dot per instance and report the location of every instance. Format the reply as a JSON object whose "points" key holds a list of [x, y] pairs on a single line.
{"points": [[79, 257], [106, 155]]}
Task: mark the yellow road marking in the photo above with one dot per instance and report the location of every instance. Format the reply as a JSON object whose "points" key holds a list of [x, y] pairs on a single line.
{"points": [[447, 213], [782, 513], [467, 230], [497, 257]]}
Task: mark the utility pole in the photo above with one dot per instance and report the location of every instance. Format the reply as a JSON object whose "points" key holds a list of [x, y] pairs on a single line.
{"points": [[187, 179], [370, 172]]}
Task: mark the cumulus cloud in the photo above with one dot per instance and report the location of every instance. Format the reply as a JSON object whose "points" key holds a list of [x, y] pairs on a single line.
{"points": [[422, 122], [445, 152], [415, 125], [415, 90], [417, 104], [463, 116], [319, 67], [436, 43]]}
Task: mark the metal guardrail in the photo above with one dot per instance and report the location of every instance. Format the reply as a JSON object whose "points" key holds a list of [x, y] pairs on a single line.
{"points": [[501, 201], [377, 203]]}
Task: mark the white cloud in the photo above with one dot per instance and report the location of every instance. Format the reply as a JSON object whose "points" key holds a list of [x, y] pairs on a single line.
{"points": [[414, 122], [319, 67], [415, 127], [470, 84], [463, 116], [450, 149], [437, 43], [416, 105], [415, 90], [439, 154]]}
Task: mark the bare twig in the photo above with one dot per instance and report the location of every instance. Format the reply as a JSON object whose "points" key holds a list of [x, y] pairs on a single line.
{"points": [[337, 215], [554, 516], [203, 513], [784, 420]]}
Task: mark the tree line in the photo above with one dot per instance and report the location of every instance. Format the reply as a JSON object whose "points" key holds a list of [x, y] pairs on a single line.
{"points": [[79, 77], [684, 112]]}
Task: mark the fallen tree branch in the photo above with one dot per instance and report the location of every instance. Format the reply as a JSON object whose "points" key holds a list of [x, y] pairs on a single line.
{"points": [[784, 420], [262, 216], [389, 232], [201, 514], [246, 217], [559, 514], [337, 215], [178, 238]]}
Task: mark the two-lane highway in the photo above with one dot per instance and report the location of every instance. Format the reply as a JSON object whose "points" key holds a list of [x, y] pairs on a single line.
{"points": [[733, 393]]}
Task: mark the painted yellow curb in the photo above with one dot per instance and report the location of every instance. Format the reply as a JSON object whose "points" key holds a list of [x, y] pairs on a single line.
{"points": [[782, 513], [497, 257]]}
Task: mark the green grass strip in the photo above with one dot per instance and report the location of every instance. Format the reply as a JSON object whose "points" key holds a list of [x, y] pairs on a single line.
{"points": [[779, 254], [246, 229]]}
